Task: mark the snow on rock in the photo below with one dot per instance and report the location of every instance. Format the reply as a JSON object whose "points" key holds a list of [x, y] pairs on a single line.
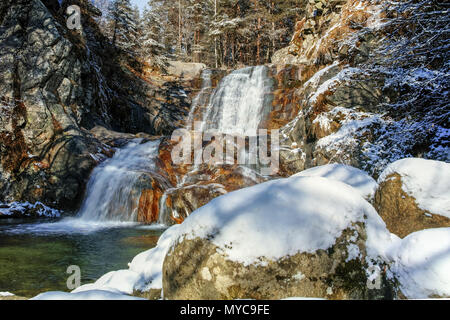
{"points": [[271, 220], [303, 230], [284, 217], [343, 75], [149, 264], [422, 264], [354, 177], [87, 295], [6, 294], [20, 209], [120, 281], [427, 181]]}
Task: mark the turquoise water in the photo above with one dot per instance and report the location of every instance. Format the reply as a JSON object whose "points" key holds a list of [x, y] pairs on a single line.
{"points": [[34, 256]]}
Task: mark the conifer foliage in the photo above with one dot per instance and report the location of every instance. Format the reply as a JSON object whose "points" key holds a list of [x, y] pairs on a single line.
{"points": [[219, 33]]}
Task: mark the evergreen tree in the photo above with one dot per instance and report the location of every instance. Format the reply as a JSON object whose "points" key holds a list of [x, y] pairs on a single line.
{"points": [[222, 33], [152, 40], [124, 21]]}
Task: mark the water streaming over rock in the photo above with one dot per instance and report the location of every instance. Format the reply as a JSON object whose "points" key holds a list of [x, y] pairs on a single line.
{"points": [[113, 189], [202, 97], [240, 102], [237, 105]]}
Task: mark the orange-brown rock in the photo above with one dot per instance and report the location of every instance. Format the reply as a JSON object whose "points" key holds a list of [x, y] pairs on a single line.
{"points": [[148, 211], [400, 211], [167, 166]]}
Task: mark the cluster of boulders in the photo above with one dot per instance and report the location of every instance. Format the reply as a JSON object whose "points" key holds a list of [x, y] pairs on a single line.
{"points": [[329, 232], [210, 259]]}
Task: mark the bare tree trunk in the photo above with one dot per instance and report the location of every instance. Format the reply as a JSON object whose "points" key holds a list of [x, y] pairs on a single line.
{"points": [[273, 27], [179, 26], [258, 40], [215, 37], [258, 43]]}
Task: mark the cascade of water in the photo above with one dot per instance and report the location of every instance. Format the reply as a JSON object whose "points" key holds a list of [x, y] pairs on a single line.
{"points": [[237, 106], [202, 97], [110, 194]]}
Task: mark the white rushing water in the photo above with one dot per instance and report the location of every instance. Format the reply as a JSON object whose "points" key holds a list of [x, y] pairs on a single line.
{"points": [[202, 97], [112, 195], [237, 105], [109, 195]]}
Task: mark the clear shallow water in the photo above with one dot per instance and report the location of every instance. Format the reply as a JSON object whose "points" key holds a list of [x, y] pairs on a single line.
{"points": [[34, 256]]}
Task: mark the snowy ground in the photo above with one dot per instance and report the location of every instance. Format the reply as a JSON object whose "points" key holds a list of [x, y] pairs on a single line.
{"points": [[87, 295]]}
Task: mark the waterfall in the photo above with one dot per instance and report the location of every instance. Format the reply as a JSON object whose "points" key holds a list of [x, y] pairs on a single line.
{"points": [[111, 192], [202, 97], [237, 106], [239, 103]]}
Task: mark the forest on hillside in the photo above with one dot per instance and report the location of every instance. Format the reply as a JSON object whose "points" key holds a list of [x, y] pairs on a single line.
{"points": [[225, 33]]}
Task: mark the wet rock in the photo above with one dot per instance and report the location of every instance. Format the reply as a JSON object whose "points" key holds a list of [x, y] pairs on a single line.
{"points": [[149, 204], [118, 139], [147, 193]]}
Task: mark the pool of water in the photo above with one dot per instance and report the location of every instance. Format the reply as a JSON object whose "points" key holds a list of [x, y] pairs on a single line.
{"points": [[34, 256]]}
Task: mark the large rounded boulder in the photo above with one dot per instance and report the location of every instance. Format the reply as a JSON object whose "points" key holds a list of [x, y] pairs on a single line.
{"points": [[413, 195], [301, 236]]}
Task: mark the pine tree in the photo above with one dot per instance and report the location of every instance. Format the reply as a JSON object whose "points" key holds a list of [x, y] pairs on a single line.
{"points": [[124, 24], [152, 41], [222, 33]]}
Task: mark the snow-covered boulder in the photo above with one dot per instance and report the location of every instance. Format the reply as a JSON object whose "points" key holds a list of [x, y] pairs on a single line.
{"points": [[414, 194], [301, 236], [354, 177], [187, 70], [422, 264]]}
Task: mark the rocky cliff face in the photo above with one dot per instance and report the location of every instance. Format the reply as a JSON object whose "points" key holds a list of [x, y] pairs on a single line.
{"points": [[371, 86], [57, 84]]}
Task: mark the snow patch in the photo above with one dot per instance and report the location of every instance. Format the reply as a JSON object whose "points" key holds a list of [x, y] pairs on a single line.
{"points": [[88, 295], [9, 209], [422, 263], [354, 177]]}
